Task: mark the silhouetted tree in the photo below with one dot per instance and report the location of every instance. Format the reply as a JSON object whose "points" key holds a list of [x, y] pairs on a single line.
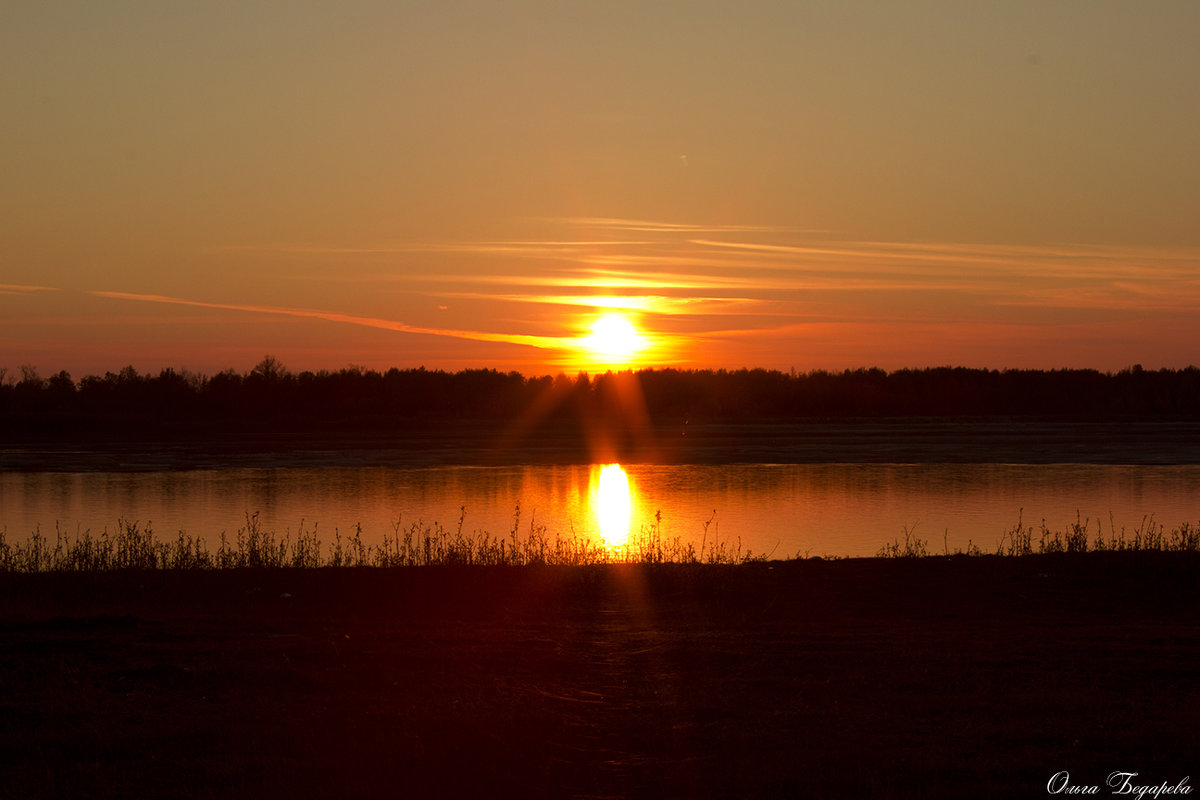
{"points": [[270, 398]]}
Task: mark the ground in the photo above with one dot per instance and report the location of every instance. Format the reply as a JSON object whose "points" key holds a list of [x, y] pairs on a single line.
{"points": [[936, 677]]}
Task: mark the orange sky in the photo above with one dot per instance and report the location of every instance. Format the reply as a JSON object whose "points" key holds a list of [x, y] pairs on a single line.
{"points": [[779, 184]]}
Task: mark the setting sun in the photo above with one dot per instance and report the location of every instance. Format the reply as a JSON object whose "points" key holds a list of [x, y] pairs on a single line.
{"points": [[614, 338]]}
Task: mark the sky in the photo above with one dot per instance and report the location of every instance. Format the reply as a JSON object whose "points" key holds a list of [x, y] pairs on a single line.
{"points": [[791, 185]]}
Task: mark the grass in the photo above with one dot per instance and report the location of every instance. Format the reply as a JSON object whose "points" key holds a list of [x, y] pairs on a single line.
{"points": [[1024, 540], [134, 547]]}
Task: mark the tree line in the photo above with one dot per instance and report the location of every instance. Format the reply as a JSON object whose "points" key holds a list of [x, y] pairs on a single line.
{"points": [[270, 397]]}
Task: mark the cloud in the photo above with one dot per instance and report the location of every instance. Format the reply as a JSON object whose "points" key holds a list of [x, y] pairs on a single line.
{"points": [[593, 279], [1074, 261], [546, 248], [21, 289], [547, 342], [651, 226], [697, 270], [646, 303]]}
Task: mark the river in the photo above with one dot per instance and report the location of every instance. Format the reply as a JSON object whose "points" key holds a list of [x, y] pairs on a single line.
{"points": [[781, 510]]}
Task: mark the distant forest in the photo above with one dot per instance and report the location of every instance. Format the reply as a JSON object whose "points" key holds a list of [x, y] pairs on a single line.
{"points": [[272, 398]]}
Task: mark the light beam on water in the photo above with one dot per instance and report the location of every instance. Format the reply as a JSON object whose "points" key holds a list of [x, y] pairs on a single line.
{"points": [[612, 503]]}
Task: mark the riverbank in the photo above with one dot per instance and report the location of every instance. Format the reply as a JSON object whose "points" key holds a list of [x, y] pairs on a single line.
{"points": [[938, 677]]}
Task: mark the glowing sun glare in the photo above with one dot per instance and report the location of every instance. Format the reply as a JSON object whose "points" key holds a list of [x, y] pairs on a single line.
{"points": [[613, 505], [614, 337]]}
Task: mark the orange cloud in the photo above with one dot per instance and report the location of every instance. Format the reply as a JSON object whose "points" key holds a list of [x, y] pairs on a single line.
{"points": [[651, 226], [550, 342], [655, 304], [19, 288]]}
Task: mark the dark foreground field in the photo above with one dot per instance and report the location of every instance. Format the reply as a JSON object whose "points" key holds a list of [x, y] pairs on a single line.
{"points": [[961, 677]]}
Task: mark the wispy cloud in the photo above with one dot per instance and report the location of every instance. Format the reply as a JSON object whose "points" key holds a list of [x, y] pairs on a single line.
{"points": [[645, 303], [550, 342], [686, 284], [594, 279], [547, 248], [654, 226], [1121, 295], [20, 288], [700, 274], [1072, 261]]}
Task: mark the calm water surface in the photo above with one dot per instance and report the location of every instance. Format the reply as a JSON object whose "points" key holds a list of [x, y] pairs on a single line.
{"points": [[784, 510]]}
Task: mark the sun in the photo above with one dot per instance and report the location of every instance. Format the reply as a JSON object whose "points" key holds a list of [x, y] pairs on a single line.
{"points": [[614, 338]]}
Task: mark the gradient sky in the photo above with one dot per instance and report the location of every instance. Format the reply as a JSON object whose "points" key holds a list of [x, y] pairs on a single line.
{"points": [[462, 184]]}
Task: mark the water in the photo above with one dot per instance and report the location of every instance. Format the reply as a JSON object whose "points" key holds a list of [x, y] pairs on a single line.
{"points": [[783, 510]]}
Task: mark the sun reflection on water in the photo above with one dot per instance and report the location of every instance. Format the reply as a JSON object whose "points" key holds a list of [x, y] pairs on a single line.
{"points": [[612, 503]]}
